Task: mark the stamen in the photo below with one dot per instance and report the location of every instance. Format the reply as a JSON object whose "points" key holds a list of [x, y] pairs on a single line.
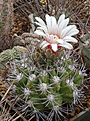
{"points": [[55, 38]]}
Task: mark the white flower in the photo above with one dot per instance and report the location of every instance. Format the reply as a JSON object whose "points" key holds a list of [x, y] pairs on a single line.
{"points": [[55, 33]]}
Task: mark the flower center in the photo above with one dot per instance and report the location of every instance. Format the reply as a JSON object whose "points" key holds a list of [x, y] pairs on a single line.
{"points": [[55, 38]]}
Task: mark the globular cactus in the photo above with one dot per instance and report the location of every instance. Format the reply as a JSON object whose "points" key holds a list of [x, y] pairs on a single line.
{"points": [[11, 54], [40, 87], [8, 55]]}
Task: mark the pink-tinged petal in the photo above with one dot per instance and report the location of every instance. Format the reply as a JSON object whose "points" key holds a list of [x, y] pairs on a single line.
{"points": [[49, 24], [59, 41], [70, 39], [45, 45], [66, 45], [69, 31], [61, 18], [63, 25], [51, 37], [40, 21], [39, 32], [54, 47]]}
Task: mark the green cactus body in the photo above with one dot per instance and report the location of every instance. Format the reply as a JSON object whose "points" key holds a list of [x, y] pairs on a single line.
{"points": [[47, 87]]}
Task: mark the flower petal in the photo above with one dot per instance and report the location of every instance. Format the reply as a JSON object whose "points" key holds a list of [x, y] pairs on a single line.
{"points": [[53, 25], [48, 21], [66, 45], [54, 47], [43, 28], [43, 43], [70, 39], [59, 41], [39, 32], [49, 38], [40, 21], [63, 25], [69, 31], [61, 18]]}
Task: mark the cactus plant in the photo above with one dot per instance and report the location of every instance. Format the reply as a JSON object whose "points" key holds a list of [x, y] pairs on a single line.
{"points": [[48, 76], [10, 54], [6, 21], [48, 86]]}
